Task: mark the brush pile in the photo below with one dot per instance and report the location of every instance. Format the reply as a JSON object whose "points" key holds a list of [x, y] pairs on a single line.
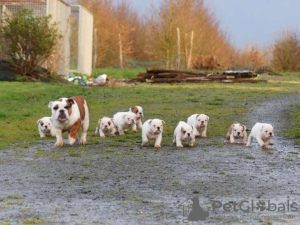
{"points": [[177, 76]]}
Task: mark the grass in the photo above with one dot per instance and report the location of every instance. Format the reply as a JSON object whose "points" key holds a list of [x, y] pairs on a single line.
{"points": [[118, 73], [294, 132], [22, 104]]}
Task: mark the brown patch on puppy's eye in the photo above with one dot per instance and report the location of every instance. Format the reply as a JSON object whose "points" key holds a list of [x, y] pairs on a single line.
{"points": [[55, 107], [108, 123], [42, 124]]}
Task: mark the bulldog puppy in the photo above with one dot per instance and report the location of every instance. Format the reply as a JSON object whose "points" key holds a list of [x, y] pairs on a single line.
{"points": [[236, 131], [45, 127], [184, 132], [105, 124], [69, 114], [138, 110], [124, 120], [263, 132], [199, 121], [152, 129]]}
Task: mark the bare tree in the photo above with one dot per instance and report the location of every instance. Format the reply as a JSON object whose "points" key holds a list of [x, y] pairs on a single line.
{"points": [[286, 52]]}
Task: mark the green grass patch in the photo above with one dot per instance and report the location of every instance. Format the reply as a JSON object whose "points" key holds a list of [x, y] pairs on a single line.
{"points": [[294, 117], [249, 157], [118, 73], [22, 104]]}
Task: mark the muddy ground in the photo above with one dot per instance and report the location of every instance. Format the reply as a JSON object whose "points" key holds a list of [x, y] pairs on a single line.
{"points": [[134, 185]]}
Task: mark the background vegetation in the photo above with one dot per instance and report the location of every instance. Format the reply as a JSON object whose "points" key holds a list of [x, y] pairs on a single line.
{"points": [[28, 40], [153, 37]]}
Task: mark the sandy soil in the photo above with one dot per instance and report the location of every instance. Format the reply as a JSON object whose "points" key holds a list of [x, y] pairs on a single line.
{"points": [[134, 185]]}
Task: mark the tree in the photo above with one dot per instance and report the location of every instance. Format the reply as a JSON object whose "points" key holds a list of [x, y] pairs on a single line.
{"points": [[190, 16], [28, 40], [286, 52]]}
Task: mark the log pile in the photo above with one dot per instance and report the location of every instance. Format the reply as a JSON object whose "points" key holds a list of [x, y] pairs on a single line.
{"points": [[177, 76]]}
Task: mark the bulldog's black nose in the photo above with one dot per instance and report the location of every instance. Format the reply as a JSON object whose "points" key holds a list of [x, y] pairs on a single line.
{"points": [[188, 134], [271, 134], [61, 111], [105, 126], [46, 126], [238, 133]]}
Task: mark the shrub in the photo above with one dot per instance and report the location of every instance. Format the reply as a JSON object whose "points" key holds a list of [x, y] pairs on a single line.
{"points": [[28, 40]]}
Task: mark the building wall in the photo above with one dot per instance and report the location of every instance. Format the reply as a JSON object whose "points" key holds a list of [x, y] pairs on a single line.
{"points": [[60, 13], [85, 40]]}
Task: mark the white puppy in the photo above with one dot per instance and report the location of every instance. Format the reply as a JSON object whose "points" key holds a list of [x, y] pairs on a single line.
{"points": [[138, 110], [152, 129], [199, 121], [184, 132], [236, 131], [263, 132], [45, 126], [105, 124], [124, 120], [69, 114]]}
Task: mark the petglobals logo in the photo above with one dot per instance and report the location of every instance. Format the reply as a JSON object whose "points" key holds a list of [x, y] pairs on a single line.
{"points": [[251, 206], [192, 211]]}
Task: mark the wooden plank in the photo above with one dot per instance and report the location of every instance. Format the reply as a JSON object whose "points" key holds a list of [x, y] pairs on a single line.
{"points": [[173, 71]]}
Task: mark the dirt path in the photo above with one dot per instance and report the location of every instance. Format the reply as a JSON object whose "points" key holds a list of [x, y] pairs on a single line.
{"points": [[130, 185]]}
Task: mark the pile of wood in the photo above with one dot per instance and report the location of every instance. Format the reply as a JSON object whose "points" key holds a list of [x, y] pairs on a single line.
{"points": [[176, 76]]}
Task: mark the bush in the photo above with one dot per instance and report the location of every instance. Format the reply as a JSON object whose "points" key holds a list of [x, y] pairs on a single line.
{"points": [[286, 52], [28, 40]]}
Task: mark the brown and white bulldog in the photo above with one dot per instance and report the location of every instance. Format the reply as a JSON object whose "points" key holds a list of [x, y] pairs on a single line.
{"points": [[138, 111], [69, 114], [236, 131]]}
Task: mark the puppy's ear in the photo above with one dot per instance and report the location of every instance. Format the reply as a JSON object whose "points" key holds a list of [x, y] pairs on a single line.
{"points": [[70, 101], [244, 127], [150, 121], [50, 105], [99, 121], [112, 119], [230, 129], [192, 127], [197, 116], [124, 116], [163, 122], [38, 121], [262, 128], [207, 118]]}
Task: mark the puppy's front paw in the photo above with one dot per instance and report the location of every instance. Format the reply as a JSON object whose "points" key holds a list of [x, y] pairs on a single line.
{"points": [[233, 142], [134, 131], [144, 144], [264, 146], [244, 143], [191, 145], [203, 136], [59, 144], [179, 146], [271, 143], [82, 142], [157, 146]]}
